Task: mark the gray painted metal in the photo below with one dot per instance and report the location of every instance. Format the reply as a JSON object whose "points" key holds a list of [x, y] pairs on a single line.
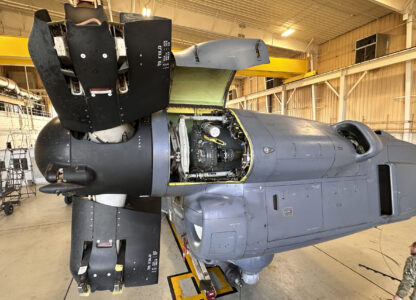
{"points": [[313, 187], [255, 264], [374, 142], [230, 54], [161, 153]]}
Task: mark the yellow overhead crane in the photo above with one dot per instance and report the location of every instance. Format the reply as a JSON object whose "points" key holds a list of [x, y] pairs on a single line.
{"points": [[280, 67], [14, 52]]}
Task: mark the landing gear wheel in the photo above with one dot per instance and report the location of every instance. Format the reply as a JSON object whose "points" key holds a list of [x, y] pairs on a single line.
{"points": [[68, 200], [8, 208]]}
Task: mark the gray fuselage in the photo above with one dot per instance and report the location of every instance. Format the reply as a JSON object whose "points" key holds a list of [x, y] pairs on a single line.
{"points": [[307, 184]]}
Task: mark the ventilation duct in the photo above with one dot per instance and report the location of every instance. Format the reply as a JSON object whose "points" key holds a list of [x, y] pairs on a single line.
{"points": [[10, 85]]}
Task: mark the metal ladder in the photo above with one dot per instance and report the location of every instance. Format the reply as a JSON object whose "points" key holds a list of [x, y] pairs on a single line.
{"points": [[18, 169]]}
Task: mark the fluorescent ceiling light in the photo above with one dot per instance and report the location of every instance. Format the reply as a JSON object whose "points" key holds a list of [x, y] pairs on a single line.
{"points": [[288, 32], [146, 12]]}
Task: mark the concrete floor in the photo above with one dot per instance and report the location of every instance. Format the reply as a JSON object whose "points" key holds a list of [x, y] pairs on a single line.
{"points": [[34, 257]]}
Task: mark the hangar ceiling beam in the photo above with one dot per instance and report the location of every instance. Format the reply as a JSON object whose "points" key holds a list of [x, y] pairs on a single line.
{"points": [[196, 21], [205, 23], [212, 24], [396, 5]]}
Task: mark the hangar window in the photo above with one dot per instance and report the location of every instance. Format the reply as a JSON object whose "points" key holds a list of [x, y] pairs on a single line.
{"points": [[232, 94], [371, 47]]}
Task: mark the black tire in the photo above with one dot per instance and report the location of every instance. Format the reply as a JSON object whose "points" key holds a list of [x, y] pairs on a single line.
{"points": [[8, 208], [68, 200]]}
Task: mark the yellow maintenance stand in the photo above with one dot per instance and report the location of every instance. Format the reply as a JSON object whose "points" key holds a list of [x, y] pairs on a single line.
{"points": [[202, 277]]}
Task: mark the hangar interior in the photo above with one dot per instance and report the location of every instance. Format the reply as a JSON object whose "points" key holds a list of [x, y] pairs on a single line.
{"points": [[330, 61]]}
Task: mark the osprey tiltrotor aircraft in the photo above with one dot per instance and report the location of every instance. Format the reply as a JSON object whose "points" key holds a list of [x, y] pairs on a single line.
{"points": [[140, 127]]}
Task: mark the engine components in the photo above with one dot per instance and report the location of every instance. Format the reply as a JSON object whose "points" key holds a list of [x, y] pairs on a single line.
{"points": [[210, 129], [209, 147]]}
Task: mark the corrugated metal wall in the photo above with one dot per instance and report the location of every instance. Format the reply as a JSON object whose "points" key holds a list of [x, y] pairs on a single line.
{"points": [[300, 103], [248, 85], [340, 52], [377, 101]]}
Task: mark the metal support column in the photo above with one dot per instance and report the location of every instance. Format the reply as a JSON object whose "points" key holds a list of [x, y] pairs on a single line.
{"points": [[313, 102], [283, 101], [313, 86], [408, 83], [110, 11], [29, 101], [133, 6], [257, 89], [267, 97], [342, 98]]}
